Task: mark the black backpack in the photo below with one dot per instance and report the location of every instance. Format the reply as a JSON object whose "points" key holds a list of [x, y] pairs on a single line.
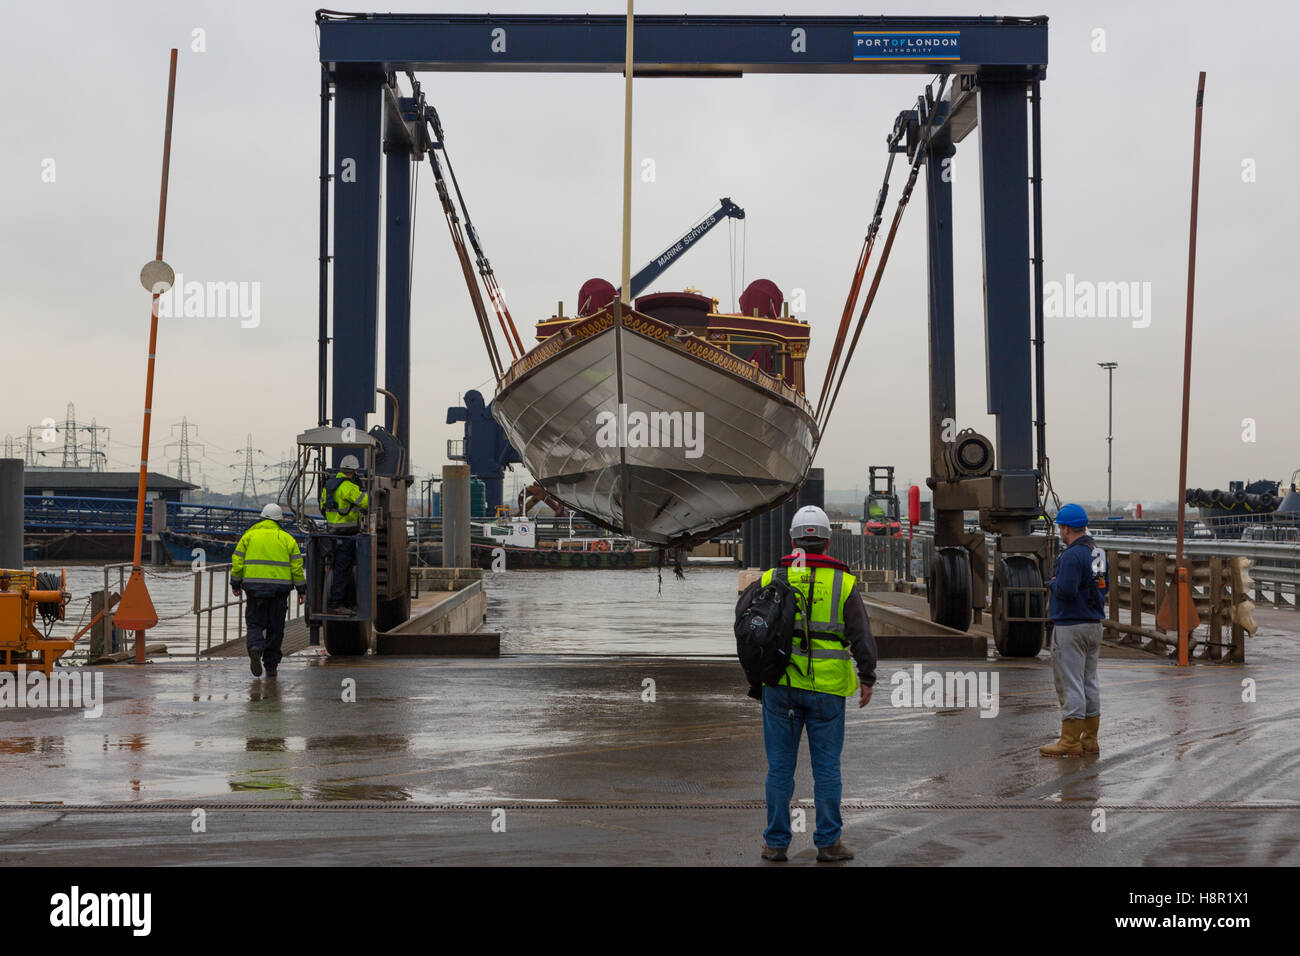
{"points": [[765, 633]]}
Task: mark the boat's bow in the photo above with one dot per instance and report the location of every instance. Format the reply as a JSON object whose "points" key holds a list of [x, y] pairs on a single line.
{"points": [[686, 441]]}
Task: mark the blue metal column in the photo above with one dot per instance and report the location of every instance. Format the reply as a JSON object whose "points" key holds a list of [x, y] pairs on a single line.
{"points": [[943, 349], [1004, 183], [358, 126], [397, 290]]}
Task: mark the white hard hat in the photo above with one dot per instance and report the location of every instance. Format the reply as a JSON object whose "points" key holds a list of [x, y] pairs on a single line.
{"points": [[349, 463], [810, 522], [273, 512]]}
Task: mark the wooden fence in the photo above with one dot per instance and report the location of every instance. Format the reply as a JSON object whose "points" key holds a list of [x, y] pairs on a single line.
{"points": [[1139, 581]]}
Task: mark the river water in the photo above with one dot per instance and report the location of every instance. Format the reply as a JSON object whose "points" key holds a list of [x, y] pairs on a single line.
{"points": [[628, 611]]}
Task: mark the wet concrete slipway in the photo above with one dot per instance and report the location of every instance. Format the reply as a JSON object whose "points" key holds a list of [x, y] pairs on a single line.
{"points": [[554, 754]]}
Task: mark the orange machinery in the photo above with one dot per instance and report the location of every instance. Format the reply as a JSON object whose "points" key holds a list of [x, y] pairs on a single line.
{"points": [[24, 598]]}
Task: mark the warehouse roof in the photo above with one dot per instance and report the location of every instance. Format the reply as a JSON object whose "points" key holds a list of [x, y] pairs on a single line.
{"points": [[37, 480]]}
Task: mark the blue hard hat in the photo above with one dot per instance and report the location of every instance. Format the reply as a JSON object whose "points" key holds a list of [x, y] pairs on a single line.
{"points": [[1072, 516]]}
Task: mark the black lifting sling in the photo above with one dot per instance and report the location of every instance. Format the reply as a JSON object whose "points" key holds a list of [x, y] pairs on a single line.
{"points": [[805, 642]]}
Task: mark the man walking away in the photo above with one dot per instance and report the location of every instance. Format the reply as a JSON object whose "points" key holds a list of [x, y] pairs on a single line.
{"points": [[812, 692], [1078, 603], [268, 565], [342, 501]]}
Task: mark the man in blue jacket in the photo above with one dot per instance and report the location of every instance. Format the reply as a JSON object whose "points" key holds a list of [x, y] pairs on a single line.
{"points": [[1077, 605]]}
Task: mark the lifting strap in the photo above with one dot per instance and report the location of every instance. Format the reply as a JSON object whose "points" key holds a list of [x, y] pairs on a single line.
{"points": [[504, 319], [824, 410], [871, 293], [858, 274], [458, 240]]}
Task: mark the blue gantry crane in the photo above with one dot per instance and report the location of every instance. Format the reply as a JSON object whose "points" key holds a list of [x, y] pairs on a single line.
{"points": [[991, 69]]}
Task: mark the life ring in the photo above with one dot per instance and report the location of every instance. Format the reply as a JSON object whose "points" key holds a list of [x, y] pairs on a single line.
{"points": [[600, 545]]}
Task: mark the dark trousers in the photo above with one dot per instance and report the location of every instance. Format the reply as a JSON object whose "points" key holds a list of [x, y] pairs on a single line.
{"points": [[344, 559], [265, 616]]}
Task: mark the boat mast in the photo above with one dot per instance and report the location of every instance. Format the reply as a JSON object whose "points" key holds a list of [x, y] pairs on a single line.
{"points": [[625, 288]]}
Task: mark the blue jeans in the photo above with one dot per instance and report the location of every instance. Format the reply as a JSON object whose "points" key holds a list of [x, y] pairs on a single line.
{"points": [[784, 720]]}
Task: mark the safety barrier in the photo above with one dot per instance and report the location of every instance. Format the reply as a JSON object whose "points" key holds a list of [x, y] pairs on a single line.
{"points": [[1139, 581], [1274, 568], [907, 561], [213, 573]]}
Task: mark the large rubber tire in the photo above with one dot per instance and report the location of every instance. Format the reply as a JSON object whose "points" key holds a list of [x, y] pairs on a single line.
{"points": [[948, 588], [392, 612], [347, 638], [1017, 638]]}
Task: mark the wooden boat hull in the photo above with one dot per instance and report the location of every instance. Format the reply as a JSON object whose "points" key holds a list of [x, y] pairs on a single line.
{"points": [[741, 440]]}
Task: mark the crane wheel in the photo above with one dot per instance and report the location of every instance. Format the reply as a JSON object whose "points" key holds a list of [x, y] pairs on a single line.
{"points": [[346, 638], [1017, 638], [948, 588]]}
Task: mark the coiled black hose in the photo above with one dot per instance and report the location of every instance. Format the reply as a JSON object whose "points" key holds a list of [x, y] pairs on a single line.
{"points": [[49, 610]]}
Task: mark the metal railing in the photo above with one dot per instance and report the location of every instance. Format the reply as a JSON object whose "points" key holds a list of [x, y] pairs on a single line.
{"points": [[211, 519], [1275, 565], [1274, 573], [908, 560], [1142, 579], [66, 513], [79, 513], [125, 638], [213, 572]]}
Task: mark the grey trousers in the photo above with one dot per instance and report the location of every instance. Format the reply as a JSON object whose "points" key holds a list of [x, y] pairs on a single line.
{"points": [[1075, 651]]}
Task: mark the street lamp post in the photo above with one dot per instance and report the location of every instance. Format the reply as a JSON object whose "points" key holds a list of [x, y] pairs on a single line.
{"points": [[1110, 426]]}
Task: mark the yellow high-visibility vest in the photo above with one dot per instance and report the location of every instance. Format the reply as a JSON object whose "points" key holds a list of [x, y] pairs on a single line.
{"points": [[825, 665]]}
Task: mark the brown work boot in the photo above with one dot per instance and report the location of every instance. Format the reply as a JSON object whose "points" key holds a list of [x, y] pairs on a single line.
{"points": [[834, 853], [1068, 745], [775, 854], [1089, 737]]}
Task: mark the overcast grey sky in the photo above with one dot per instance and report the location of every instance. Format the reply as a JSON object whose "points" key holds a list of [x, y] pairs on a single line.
{"points": [[539, 158]]}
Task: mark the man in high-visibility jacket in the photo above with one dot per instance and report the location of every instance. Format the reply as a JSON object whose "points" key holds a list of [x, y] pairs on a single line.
{"points": [[812, 693], [342, 501], [268, 565]]}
